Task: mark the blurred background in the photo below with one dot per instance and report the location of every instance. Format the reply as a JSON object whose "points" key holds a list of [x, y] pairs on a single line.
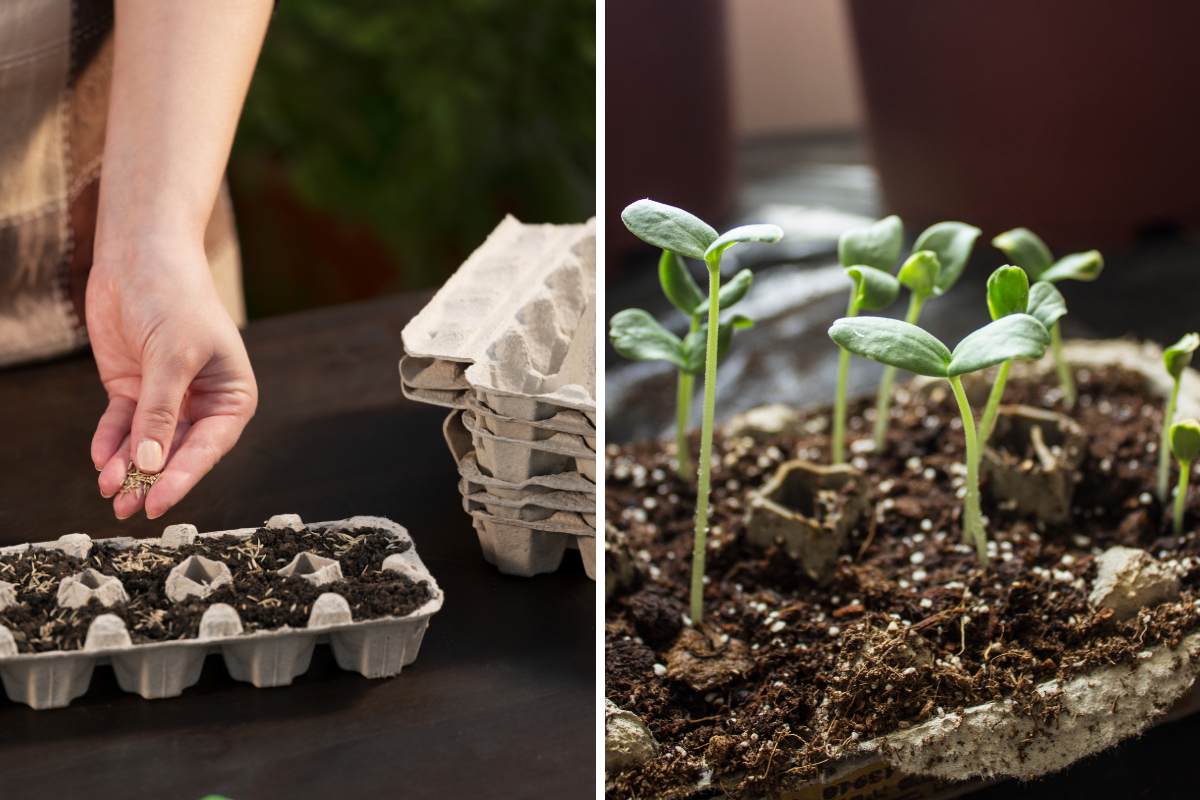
{"points": [[382, 142], [823, 114]]}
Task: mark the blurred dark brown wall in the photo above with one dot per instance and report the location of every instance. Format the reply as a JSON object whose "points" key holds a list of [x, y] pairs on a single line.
{"points": [[1078, 119], [668, 130]]}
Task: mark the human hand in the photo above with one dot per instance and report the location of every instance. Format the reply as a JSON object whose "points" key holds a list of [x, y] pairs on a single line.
{"points": [[179, 383]]}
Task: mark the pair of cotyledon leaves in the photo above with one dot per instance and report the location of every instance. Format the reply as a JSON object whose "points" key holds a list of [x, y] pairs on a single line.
{"points": [[678, 231], [938, 258], [1026, 249], [634, 333], [1022, 316]]}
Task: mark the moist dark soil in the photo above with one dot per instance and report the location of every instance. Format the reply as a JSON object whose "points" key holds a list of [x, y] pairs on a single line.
{"points": [[263, 599], [795, 674]]}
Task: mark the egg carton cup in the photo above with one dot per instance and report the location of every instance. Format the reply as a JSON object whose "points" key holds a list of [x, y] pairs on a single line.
{"points": [[569, 482], [520, 314], [375, 648], [516, 550], [565, 420]]}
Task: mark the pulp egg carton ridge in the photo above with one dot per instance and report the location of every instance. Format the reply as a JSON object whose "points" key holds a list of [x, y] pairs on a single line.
{"points": [[508, 345], [374, 648]]}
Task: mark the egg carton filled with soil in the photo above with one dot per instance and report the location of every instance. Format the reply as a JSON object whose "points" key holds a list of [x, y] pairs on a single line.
{"points": [[262, 598], [907, 668]]}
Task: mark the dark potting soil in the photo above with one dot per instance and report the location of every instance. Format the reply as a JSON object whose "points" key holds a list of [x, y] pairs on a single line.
{"points": [[263, 599], [785, 676]]}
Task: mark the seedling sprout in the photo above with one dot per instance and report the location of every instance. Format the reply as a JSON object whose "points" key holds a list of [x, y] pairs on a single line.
{"points": [[1176, 359], [636, 335], [868, 255], [1185, 444], [677, 231], [1009, 292], [938, 258], [1024, 248], [906, 346]]}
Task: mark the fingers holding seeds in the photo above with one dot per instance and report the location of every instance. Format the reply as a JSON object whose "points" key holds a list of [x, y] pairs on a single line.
{"points": [[207, 441]]}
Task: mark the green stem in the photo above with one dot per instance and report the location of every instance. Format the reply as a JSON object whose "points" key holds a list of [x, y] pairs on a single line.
{"points": [[838, 447], [683, 415], [988, 420], [883, 402], [972, 514], [704, 477], [1164, 443], [683, 412], [1064, 369], [1185, 469]]}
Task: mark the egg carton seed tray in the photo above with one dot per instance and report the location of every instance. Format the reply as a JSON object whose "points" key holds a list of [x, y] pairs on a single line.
{"points": [[525, 552], [549, 441], [563, 421], [533, 518], [513, 312], [568, 482], [512, 462], [549, 501], [580, 518], [375, 648]]}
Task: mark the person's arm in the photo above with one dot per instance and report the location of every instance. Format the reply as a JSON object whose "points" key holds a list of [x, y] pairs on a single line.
{"points": [[180, 388]]}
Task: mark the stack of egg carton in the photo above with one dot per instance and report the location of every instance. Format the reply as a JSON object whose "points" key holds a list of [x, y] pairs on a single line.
{"points": [[509, 345]]}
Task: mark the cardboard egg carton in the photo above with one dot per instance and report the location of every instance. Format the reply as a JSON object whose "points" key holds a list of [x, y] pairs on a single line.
{"points": [[508, 344], [374, 648], [514, 325]]}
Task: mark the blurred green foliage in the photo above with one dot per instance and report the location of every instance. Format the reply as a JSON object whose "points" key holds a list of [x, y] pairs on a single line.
{"points": [[420, 124]]}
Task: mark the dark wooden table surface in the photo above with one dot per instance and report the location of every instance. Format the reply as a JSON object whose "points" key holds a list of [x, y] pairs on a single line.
{"points": [[501, 701]]}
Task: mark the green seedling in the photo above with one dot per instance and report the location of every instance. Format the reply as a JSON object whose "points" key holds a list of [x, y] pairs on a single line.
{"points": [[1024, 248], [1176, 359], [636, 335], [1185, 444], [677, 231], [1009, 292], [937, 261], [906, 346], [868, 255]]}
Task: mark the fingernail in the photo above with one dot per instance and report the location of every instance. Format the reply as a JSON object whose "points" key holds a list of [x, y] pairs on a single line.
{"points": [[149, 456]]}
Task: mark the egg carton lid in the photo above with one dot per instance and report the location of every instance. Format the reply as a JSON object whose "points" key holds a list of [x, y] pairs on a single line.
{"points": [[518, 312]]}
